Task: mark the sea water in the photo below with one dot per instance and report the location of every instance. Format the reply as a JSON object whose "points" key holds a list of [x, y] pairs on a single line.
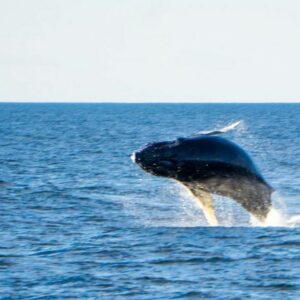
{"points": [[80, 221]]}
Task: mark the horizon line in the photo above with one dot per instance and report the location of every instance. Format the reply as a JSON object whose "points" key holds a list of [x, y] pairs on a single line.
{"points": [[145, 102]]}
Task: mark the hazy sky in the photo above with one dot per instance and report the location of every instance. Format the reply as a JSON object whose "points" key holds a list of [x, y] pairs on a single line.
{"points": [[150, 50]]}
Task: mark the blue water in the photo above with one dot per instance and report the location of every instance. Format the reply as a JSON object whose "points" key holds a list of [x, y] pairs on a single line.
{"points": [[80, 221]]}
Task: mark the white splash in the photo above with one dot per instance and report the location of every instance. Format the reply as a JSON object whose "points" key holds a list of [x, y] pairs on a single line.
{"points": [[278, 216], [275, 218], [294, 221]]}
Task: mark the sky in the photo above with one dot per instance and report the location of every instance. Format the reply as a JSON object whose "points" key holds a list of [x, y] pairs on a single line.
{"points": [[150, 50]]}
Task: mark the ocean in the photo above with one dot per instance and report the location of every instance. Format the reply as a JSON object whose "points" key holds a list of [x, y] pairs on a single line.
{"points": [[79, 220]]}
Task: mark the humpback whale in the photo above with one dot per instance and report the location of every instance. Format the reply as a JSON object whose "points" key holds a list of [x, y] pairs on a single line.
{"points": [[209, 164]]}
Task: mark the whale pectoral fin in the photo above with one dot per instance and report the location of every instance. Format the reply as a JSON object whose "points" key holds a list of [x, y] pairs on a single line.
{"points": [[220, 131], [207, 205]]}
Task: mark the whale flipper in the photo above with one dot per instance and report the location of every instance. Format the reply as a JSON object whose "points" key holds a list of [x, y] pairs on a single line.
{"points": [[222, 130], [206, 201]]}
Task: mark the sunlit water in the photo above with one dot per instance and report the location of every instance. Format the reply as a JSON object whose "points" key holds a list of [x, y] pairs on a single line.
{"points": [[80, 221]]}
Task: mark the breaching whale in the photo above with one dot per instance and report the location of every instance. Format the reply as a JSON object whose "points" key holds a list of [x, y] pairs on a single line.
{"points": [[207, 164]]}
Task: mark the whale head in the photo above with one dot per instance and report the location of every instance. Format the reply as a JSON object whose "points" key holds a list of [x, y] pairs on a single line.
{"points": [[173, 159]]}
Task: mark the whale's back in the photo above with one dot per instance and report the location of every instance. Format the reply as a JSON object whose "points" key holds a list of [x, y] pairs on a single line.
{"points": [[215, 149]]}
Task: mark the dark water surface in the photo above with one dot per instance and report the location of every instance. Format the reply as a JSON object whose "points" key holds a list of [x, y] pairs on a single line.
{"points": [[80, 221]]}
